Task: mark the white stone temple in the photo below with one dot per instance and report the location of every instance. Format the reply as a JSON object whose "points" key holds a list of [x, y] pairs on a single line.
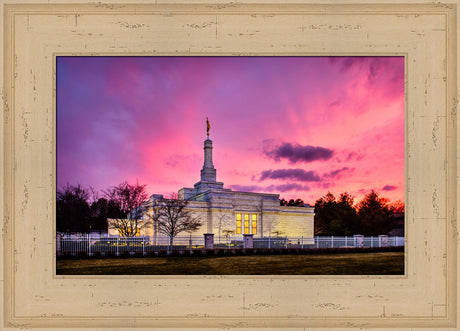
{"points": [[224, 211]]}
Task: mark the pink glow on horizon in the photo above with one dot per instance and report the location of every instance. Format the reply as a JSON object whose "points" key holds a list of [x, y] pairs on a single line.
{"points": [[143, 119]]}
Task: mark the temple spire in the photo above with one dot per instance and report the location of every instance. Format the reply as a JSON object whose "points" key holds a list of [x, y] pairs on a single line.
{"points": [[208, 172]]}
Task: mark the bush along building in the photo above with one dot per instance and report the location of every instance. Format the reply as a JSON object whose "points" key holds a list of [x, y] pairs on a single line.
{"points": [[223, 212]]}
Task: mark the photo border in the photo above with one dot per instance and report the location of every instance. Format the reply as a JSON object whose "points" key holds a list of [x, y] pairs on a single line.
{"points": [[30, 136]]}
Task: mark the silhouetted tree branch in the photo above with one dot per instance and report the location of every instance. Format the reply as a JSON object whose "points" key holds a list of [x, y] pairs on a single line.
{"points": [[128, 202]]}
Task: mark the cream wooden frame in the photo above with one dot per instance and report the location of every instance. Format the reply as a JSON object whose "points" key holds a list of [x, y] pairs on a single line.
{"points": [[35, 31]]}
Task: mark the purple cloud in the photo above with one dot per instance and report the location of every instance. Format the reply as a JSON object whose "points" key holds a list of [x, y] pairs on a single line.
{"points": [[292, 174], [337, 173], [389, 188], [298, 153], [289, 187]]}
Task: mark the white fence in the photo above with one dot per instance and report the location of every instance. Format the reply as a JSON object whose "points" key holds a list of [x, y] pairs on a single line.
{"points": [[88, 245]]}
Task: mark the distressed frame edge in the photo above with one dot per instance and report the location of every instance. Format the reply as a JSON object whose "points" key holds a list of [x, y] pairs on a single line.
{"points": [[8, 141]]}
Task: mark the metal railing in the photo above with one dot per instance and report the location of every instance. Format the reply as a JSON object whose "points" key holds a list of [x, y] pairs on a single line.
{"points": [[87, 245]]}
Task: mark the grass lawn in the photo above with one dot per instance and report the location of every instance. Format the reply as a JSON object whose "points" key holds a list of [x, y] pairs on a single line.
{"points": [[382, 263]]}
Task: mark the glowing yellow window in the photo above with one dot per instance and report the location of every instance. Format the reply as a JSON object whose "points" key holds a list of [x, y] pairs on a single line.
{"points": [[138, 232], [238, 227], [254, 224], [246, 223], [238, 223]]}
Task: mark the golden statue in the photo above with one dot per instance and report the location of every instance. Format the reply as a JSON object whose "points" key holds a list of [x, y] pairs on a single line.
{"points": [[208, 126]]}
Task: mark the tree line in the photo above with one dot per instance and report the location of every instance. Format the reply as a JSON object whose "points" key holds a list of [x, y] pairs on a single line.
{"points": [[82, 210], [372, 216]]}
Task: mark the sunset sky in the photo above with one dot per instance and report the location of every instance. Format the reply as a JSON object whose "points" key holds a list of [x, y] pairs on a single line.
{"points": [[297, 126]]}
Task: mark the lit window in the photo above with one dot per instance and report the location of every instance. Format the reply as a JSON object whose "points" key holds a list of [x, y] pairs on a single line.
{"points": [[246, 223], [238, 223], [254, 224]]}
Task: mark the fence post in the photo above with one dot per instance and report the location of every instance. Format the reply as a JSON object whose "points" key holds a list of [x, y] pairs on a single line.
{"points": [[346, 244], [285, 241], [268, 241], [248, 241], [89, 244], [190, 244], [302, 242], [372, 242], [383, 240], [143, 245], [332, 241], [117, 246], [317, 241], [208, 240]]}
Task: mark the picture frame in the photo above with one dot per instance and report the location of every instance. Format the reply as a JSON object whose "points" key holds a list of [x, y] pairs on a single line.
{"points": [[35, 32]]}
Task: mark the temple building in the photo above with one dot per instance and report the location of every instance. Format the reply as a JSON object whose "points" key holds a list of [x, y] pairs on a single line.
{"points": [[223, 211]]}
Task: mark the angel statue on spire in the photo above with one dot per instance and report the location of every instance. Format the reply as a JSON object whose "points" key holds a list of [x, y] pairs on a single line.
{"points": [[208, 126]]}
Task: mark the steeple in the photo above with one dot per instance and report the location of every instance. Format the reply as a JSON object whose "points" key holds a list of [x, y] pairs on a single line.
{"points": [[208, 172]]}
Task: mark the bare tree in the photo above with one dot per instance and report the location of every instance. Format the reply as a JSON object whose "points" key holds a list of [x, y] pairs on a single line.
{"points": [[227, 234], [129, 201], [172, 217], [225, 220]]}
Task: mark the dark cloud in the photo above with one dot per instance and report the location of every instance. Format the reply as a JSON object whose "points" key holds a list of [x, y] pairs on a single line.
{"points": [[336, 174], [292, 174], [389, 188], [298, 153], [288, 187]]}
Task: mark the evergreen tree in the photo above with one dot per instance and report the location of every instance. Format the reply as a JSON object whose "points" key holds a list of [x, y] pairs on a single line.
{"points": [[374, 214]]}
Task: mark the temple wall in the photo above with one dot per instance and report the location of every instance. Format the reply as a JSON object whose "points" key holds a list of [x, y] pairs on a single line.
{"points": [[217, 212], [296, 222]]}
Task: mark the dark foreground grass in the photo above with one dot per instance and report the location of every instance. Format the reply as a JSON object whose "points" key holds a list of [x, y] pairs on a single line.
{"points": [[382, 263]]}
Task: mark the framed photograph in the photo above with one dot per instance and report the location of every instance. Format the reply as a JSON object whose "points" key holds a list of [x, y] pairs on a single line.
{"points": [[37, 34]]}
